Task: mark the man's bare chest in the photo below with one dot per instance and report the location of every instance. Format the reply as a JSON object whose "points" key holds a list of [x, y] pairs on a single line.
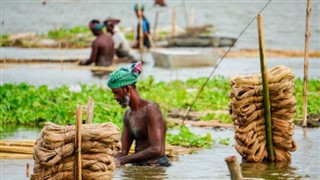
{"points": [[138, 123]]}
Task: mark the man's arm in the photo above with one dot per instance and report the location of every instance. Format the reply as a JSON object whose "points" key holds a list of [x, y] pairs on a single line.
{"points": [[156, 136], [93, 56], [126, 138]]}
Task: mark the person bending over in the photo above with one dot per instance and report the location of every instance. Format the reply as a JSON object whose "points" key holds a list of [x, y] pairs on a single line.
{"points": [[102, 48], [143, 122], [121, 45]]}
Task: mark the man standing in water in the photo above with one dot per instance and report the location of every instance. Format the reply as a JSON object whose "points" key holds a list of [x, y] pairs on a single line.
{"points": [[145, 28], [143, 122], [102, 48]]}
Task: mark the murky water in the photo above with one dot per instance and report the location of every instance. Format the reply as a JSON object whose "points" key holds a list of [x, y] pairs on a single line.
{"points": [[284, 28], [57, 74], [207, 163], [284, 20]]}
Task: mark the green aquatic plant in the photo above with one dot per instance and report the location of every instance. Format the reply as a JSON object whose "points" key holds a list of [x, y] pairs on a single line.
{"points": [[4, 40], [313, 97], [224, 141], [30, 105], [25, 104], [187, 138], [225, 118], [62, 33]]}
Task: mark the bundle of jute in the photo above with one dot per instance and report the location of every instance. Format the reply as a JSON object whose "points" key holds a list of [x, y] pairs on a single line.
{"points": [[247, 113], [54, 151]]}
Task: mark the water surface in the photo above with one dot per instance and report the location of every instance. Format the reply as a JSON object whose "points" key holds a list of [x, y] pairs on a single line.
{"points": [[208, 163]]}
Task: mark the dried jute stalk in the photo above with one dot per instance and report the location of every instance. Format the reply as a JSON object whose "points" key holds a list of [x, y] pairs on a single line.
{"points": [[247, 113], [54, 151]]}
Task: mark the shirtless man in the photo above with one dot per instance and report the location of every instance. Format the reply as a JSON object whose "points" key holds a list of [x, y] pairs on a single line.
{"points": [[102, 48], [143, 121]]}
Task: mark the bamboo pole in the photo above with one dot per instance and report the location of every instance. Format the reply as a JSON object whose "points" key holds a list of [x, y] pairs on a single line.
{"points": [[266, 98], [185, 12], [16, 149], [78, 168], [27, 170], [191, 17], [234, 168], [155, 35], [174, 22], [15, 156], [306, 64], [26, 143], [141, 45], [169, 151], [90, 107]]}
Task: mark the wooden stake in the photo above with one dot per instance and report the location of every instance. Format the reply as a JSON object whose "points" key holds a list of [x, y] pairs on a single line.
{"points": [[155, 35], [306, 64], [185, 12], [78, 168], [191, 18], [90, 107], [265, 84], [141, 45], [234, 168], [174, 22], [28, 170]]}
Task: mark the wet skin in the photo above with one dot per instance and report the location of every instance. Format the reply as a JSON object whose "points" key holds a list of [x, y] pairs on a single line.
{"points": [[102, 50], [144, 124]]}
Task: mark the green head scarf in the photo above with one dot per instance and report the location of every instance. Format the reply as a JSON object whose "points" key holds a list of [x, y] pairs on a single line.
{"points": [[125, 76], [136, 6]]}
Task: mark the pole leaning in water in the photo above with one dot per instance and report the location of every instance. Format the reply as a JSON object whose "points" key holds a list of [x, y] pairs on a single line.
{"points": [[306, 64], [266, 97]]}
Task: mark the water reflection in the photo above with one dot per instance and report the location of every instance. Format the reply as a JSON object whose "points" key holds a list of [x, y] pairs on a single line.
{"points": [[141, 172], [18, 132], [279, 170], [205, 164], [100, 74]]}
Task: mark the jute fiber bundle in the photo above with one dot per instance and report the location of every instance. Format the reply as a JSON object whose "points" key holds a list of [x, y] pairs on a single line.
{"points": [[54, 151], [247, 113]]}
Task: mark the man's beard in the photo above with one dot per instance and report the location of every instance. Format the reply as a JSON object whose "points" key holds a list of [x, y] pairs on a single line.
{"points": [[125, 101]]}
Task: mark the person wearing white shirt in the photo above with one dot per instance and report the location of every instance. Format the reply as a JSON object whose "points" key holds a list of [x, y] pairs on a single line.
{"points": [[121, 45]]}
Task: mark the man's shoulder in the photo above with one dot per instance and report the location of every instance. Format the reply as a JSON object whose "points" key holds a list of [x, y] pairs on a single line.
{"points": [[105, 36], [152, 106]]}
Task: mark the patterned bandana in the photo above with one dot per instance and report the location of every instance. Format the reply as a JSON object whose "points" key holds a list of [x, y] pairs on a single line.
{"points": [[95, 26], [125, 76]]}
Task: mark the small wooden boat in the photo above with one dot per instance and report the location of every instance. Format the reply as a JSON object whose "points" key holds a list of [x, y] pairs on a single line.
{"points": [[175, 57], [200, 41]]}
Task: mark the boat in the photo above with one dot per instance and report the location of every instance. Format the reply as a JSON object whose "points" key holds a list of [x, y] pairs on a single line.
{"points": [[177, 58], [200, 41]]}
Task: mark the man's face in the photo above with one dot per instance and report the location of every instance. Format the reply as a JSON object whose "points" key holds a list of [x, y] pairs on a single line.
{"points": [[138, 13], [95, 32], [121, 96], [109, 28]]}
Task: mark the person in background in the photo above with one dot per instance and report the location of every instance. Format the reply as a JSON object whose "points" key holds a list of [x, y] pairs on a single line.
{"points": [[121, 45], [145, 28], [143, 122], [102, 48], [160, 3]]}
